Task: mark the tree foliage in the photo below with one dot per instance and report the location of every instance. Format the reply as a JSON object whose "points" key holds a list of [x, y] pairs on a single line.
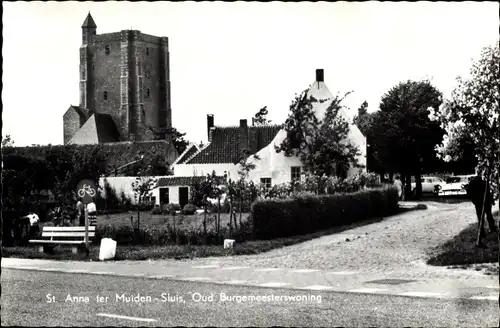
{"points": [[323, 147], [260, 118], [471, 116], [362, 119], [143, 187], [7, 141], [178, 138], [402, 137]]}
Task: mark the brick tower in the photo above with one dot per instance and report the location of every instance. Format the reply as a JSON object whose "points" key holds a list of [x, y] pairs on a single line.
{"points": [[125, 77]]}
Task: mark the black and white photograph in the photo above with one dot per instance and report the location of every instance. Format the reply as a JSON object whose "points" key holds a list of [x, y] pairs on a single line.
{"points": [[250, 164]]}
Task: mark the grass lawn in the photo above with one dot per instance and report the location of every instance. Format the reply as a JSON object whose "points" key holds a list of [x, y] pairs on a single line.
{"points": [[178, 251], [461, 250]]}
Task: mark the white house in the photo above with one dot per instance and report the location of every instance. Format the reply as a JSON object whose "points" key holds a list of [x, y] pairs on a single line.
{"points": [[226, 144], [124, 185], [225, 147], [319, 91]]}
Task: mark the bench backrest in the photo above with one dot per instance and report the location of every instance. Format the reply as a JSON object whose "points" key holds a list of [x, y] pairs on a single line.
{"points": [[67, 232]]}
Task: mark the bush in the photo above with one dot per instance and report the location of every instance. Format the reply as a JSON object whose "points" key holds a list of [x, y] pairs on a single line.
{"points": [[157, 210], [170, 208], [189, 209], [224, 207], [167, 235], [143, 207], [304, 214]]}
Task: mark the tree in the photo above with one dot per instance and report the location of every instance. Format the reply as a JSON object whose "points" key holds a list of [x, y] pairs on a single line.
{"points": [[362, 119], [323, 147], [208, 188], [403, 138], [474, 109], [458, 150], [260, 118], [243, 189], [7, 141], [178, 138], [475, 106], [142, 187], [22, 177], [71, 164]]}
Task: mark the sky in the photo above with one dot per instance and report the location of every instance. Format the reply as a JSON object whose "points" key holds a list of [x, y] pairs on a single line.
{"points": [[231, 59]]}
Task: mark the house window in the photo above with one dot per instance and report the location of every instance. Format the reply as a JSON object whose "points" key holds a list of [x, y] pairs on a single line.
{"points": [[147, 51], [105, 95], [266, 182], [106, 50], [148, 92], [295, 173]]}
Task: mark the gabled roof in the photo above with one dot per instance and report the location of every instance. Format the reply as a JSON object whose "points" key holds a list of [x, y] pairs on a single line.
{"points": [[179, 181], [82, 112], [190, 150], [99, 128], [225, 145]]}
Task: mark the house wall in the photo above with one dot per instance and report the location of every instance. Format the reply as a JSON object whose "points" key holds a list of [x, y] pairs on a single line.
{"points": [[270, 165], [125, 184], [320, 92], [186, 170], [173, 194], [273, 165]]}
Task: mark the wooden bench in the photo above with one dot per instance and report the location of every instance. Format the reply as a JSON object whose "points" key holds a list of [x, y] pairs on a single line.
{"points": [[64, 236]]}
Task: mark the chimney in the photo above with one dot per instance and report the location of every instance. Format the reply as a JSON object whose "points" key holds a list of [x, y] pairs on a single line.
{"points": [[320, 75], [210, 125], [243, 135]]}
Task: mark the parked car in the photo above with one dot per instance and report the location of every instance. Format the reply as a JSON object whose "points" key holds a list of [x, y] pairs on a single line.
{"points": [[429, 184], [455, 185]]}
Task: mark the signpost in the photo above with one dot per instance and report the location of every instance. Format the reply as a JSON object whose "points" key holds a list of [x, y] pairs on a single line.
{"points": [[86, 191]]}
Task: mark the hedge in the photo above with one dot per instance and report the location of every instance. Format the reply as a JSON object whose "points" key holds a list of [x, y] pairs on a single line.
{"points": [[277, 218], [117, 153]]}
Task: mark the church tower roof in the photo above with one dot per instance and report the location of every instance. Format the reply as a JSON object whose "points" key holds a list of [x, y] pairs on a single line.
{"points": [[89, 22]]}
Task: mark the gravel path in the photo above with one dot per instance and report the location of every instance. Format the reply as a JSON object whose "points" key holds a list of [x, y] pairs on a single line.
{"points": [[395, 245]]}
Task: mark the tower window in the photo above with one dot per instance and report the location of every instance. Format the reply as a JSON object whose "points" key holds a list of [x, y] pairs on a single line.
{"points": [[105, 95], [148, 92], [147, 51], [106, 49]]}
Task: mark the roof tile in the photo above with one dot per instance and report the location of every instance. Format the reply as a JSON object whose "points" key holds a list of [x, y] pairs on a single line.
{"points": [[179, 181], [225, 145]]}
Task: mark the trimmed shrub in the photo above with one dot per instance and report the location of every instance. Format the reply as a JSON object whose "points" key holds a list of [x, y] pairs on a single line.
{"points": [[170, 208], [276, 218], [189, 209], [157, 210]]}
